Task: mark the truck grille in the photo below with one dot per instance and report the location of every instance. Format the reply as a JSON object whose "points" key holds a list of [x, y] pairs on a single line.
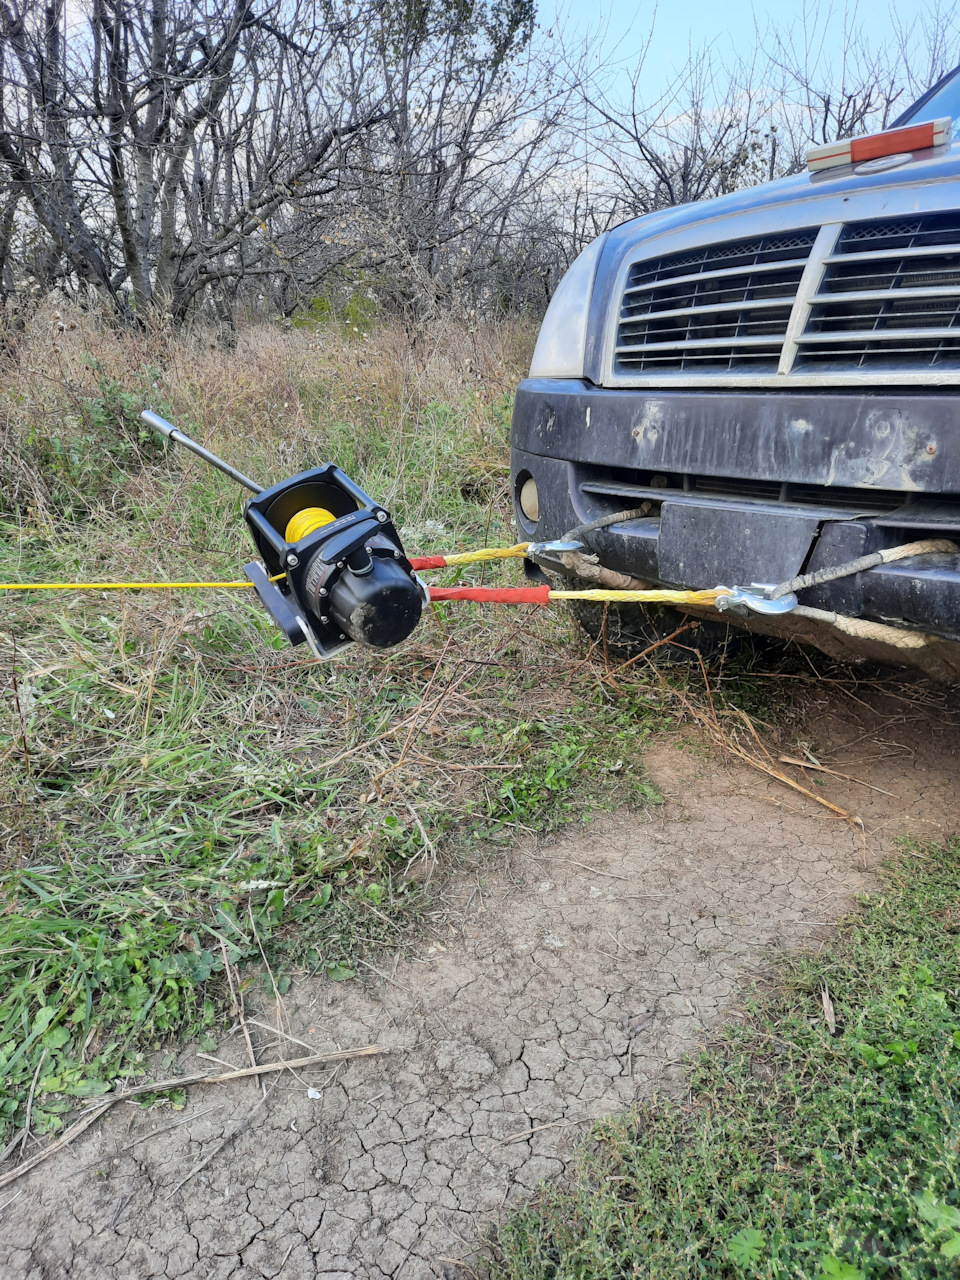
{"points": [[877, 299], [714, 309], [889, 297]]}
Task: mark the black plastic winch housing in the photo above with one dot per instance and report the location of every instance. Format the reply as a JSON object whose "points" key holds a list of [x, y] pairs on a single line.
{"points": [[348, 580], [344, 578]]}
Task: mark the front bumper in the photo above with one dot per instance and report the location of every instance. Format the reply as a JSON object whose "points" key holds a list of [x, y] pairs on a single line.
{"points": [[754, 487]]}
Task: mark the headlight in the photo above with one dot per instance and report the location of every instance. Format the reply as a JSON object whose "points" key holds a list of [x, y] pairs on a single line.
{"points": [[563, 335]]}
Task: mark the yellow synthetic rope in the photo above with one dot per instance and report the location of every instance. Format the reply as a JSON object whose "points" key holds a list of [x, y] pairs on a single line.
{"points": [[644, 597], [111, 586], [489, 553], [120, 586], [303, 522], [309, 520], [622, 597]]}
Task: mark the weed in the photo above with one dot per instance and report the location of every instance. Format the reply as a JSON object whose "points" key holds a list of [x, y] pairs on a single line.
{"points": [[179, 788], [804, 1151]]}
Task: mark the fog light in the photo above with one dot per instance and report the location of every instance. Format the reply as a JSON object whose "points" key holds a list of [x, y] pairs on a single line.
{"points": [[530, 500]]}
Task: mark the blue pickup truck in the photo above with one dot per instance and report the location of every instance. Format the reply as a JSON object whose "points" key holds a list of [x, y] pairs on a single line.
{"points": [[767, 384]]}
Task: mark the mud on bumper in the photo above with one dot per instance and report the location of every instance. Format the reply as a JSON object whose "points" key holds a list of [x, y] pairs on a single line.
{"points": [[754, 487]]}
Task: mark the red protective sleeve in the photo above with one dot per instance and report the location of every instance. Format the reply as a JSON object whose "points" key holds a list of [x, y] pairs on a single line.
{"points": [[493, 595], [428, 562]]}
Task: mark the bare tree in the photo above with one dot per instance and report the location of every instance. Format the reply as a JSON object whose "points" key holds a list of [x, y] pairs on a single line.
{"points": [[728, 122], [171, 152], [827, 82], [444, 188], [152, 141], [199, 157]]}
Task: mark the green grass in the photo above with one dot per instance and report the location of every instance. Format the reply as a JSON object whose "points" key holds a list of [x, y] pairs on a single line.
{"points": [[178, 787], [800, 1153]]}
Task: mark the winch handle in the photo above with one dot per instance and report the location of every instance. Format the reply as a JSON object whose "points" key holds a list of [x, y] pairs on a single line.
{"points": [[179, 437]]}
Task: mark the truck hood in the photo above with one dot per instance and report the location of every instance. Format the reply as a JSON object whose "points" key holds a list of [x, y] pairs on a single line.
{"points": [[928, 182], [802, 199]]}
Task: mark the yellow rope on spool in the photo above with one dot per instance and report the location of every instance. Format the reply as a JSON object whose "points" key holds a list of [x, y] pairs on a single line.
{"points": [[488, 553], [309, 520], [643, 597]]}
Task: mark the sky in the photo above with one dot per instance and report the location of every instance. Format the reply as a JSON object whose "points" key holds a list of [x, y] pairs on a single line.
{"points": [[728, 24]]}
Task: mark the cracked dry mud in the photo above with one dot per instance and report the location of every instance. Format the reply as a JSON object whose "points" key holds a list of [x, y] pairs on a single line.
{"points": [[559, 986]]}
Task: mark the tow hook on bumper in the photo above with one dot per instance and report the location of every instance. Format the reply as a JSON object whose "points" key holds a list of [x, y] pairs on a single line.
{"points": [[753, 599]]}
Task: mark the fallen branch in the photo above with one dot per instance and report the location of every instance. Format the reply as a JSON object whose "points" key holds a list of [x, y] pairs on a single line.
{"points": [[236, 995], [551, 1124], [729, 743], [154, 1133], [178, 1082], [593, 870], [822, 768], [73, 1132], [755, 762]]}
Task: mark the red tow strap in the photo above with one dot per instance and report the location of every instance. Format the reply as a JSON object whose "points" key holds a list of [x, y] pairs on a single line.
{"points": [[493, 595], [428, 562]]}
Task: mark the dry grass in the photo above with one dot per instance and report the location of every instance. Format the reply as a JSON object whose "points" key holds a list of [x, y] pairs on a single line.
{"points": [[177, 785], [277, 401]]}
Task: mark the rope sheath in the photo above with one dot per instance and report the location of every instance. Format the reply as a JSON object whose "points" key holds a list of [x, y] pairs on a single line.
{"points": [[492, 595], [928, 547]]}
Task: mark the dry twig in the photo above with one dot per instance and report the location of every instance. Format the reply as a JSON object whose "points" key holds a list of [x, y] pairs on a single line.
{"points": [[178, 1082], [33, 1089], [822, 768], [202, 1164], [237, 997]]}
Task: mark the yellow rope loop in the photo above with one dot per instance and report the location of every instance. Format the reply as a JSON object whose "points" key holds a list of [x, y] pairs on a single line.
{"points": [[489, 553], [643, 597]]}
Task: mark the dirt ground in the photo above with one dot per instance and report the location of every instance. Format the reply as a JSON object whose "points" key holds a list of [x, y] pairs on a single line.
{"points": [[555, 987]]}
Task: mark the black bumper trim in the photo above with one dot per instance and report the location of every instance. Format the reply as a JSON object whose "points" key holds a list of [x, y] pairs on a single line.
{"points": [[699, 542], [904, 443]]}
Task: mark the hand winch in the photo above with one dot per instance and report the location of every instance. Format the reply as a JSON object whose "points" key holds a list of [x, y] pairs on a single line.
{"points": [[333, 569]]}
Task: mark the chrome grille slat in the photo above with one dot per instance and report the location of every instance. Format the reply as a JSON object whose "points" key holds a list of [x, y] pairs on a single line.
{"points": [[755, 304], [870, 295], [888, 306], [919, 251], [879, 335], [706, 342], [724, 272], [729, 314], [841, 302], [840, 286]]}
